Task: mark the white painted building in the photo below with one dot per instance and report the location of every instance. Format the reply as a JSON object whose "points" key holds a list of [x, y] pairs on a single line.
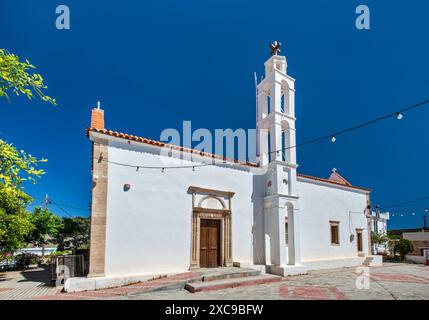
{"points": [[379, 226], [264, 215], [37, 251]]}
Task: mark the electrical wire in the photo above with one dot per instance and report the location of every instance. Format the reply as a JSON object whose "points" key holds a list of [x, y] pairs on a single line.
{"points": [[70, 206], [62, 209], [158, 167], [413, 209], [50, 201], [404, 203], [397, 114], [332, 137]]}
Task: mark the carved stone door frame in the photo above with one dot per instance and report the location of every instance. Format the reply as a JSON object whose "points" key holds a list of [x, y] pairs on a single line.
{"points": [[222, 212]]}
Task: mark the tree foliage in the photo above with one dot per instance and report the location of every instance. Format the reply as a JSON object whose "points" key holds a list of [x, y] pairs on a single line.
{"points": [[26, 259], [46, 225], [15, 168], [74, 234], [13, 229], [18, 77], [403, 247], [378, 238]]}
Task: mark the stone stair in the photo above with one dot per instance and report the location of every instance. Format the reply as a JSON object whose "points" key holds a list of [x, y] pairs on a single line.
{"points": [[211, 279], [230, 275], [219, 281], [367, 262]]}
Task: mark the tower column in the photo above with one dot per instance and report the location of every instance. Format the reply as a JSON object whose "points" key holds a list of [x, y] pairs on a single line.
{"points": [[275, 97], [262, 105], [291, 102], [291, 142], [276, 141], [275, 236], [294, 245], [280, 256], [263, 147]]}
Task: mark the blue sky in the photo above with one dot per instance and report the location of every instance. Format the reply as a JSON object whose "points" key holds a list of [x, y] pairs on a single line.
{"points": [[154, 64]]}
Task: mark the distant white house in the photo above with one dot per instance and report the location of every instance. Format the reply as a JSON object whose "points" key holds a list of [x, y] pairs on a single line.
{"points": [[379, 226], [262, 214], [37, 250]]}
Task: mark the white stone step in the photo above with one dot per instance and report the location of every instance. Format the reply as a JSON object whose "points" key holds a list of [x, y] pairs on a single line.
{"points": [[231, 283]]}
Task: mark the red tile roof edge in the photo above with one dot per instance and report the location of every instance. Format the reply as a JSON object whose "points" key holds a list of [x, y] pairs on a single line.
{"points": [[332, 182], [335, 175], [167, 145], [201, 153]]}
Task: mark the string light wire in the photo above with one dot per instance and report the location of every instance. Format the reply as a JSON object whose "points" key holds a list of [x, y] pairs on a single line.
{"points": [[404, 203], [332, 137]]}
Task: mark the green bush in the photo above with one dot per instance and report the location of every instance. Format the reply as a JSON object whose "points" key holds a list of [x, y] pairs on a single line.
{"points": [[82, 249], [403, 247], [60, 253], [84, 246], [26, 259]]}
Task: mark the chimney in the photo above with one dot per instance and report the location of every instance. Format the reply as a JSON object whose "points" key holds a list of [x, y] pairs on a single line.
{"points": [[97, 117]]}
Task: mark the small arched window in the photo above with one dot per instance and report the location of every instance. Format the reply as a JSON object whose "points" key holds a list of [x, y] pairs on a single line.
{"points": [[286, 232]]}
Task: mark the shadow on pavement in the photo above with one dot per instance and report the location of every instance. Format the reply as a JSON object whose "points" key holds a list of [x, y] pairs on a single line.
{"points": [[41, 274], [3, 276]]}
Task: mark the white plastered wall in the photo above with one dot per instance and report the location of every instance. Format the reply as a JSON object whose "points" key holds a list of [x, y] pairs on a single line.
{"points": [[319, 204], [149, 226]]}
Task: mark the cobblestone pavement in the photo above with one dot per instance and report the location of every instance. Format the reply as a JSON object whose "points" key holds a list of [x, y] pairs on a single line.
{"points": [[392, 281], [27, 284]]}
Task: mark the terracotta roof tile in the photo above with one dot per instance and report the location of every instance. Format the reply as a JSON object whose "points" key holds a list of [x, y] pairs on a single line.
{"points": [[336, 177], [332, 182], [162, 144]]}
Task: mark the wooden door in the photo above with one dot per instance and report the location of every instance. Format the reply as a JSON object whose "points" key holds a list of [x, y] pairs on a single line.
{"points": [[359, 241], [209, 243]]}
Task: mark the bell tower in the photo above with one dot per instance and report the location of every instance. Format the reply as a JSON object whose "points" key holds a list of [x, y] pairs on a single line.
{"points": [[277, 156], [276, 123]]}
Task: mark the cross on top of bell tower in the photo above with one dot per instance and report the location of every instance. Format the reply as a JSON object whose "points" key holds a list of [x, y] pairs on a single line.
{"points": [[275, 48]]}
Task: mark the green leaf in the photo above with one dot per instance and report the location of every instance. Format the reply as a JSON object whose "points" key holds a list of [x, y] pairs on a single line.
{"points": [[15, 78]]}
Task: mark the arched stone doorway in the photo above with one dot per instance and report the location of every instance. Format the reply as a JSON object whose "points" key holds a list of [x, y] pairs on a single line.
{"points": [[210, 208]]}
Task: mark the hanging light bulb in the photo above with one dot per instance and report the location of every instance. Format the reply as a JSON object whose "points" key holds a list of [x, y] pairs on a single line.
{"points": [[333, 139], [413, 214], [402, 215], [193, 168], [162, 170], [399, 115], [138, 169], [393, 214]]}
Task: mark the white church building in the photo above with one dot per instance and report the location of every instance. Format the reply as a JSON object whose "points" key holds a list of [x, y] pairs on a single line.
{"points": [[264, 215]]}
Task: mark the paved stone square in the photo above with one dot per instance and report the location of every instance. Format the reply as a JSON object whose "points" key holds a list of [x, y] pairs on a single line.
{"points": [[389, 282], [26, 284]]}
